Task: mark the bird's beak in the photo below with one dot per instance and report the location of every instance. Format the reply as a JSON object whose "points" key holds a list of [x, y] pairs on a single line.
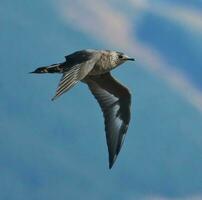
{"points": [[128, 58]]}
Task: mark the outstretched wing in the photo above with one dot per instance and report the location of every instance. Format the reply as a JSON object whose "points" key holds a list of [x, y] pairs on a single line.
{"points": [[76, 67], [115, 101]]}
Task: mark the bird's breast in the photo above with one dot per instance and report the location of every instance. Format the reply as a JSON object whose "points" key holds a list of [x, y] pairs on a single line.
{"points": [[102, 66]]}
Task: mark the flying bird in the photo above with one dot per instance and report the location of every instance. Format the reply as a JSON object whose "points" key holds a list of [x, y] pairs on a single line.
{"points": [[93, 68]]}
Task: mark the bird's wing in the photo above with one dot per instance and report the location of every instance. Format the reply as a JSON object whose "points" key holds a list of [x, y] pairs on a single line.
{"points": [[115, 101], [78, 65], [80, 57]]}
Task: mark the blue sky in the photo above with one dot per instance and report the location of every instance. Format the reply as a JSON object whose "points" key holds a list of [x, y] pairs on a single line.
{"points": [[180, 47], [51, 150]]}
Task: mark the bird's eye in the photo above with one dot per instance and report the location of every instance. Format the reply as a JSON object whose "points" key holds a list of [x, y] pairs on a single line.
{"points": [[120, 56]]}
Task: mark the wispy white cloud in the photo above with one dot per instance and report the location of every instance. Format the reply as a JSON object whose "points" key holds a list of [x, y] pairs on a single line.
{"points": [[189, 17], [98, 19], [103, 22]]}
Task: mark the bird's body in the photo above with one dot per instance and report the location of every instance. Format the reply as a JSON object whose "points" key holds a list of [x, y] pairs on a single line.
{"points": [[93, 68], [105, 64]]}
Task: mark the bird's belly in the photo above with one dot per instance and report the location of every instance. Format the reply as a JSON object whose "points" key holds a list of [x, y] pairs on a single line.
{"points": [[97, 70]]}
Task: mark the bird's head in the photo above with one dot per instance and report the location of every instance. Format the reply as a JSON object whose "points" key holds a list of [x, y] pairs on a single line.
{"points": [[118, 58]]}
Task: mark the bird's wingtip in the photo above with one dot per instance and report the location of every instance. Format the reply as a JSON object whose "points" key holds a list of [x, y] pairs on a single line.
{"points": [[112, 161], [53, 98], [110, 165]]}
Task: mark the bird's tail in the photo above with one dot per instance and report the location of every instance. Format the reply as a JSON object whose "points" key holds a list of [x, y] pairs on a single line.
{"points": [[55, 68]]}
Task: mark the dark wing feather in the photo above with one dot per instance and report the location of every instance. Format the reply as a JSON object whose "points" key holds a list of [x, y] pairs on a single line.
{"points": [[115, 101], [76, 70], [79, 57], [68, 80]]}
